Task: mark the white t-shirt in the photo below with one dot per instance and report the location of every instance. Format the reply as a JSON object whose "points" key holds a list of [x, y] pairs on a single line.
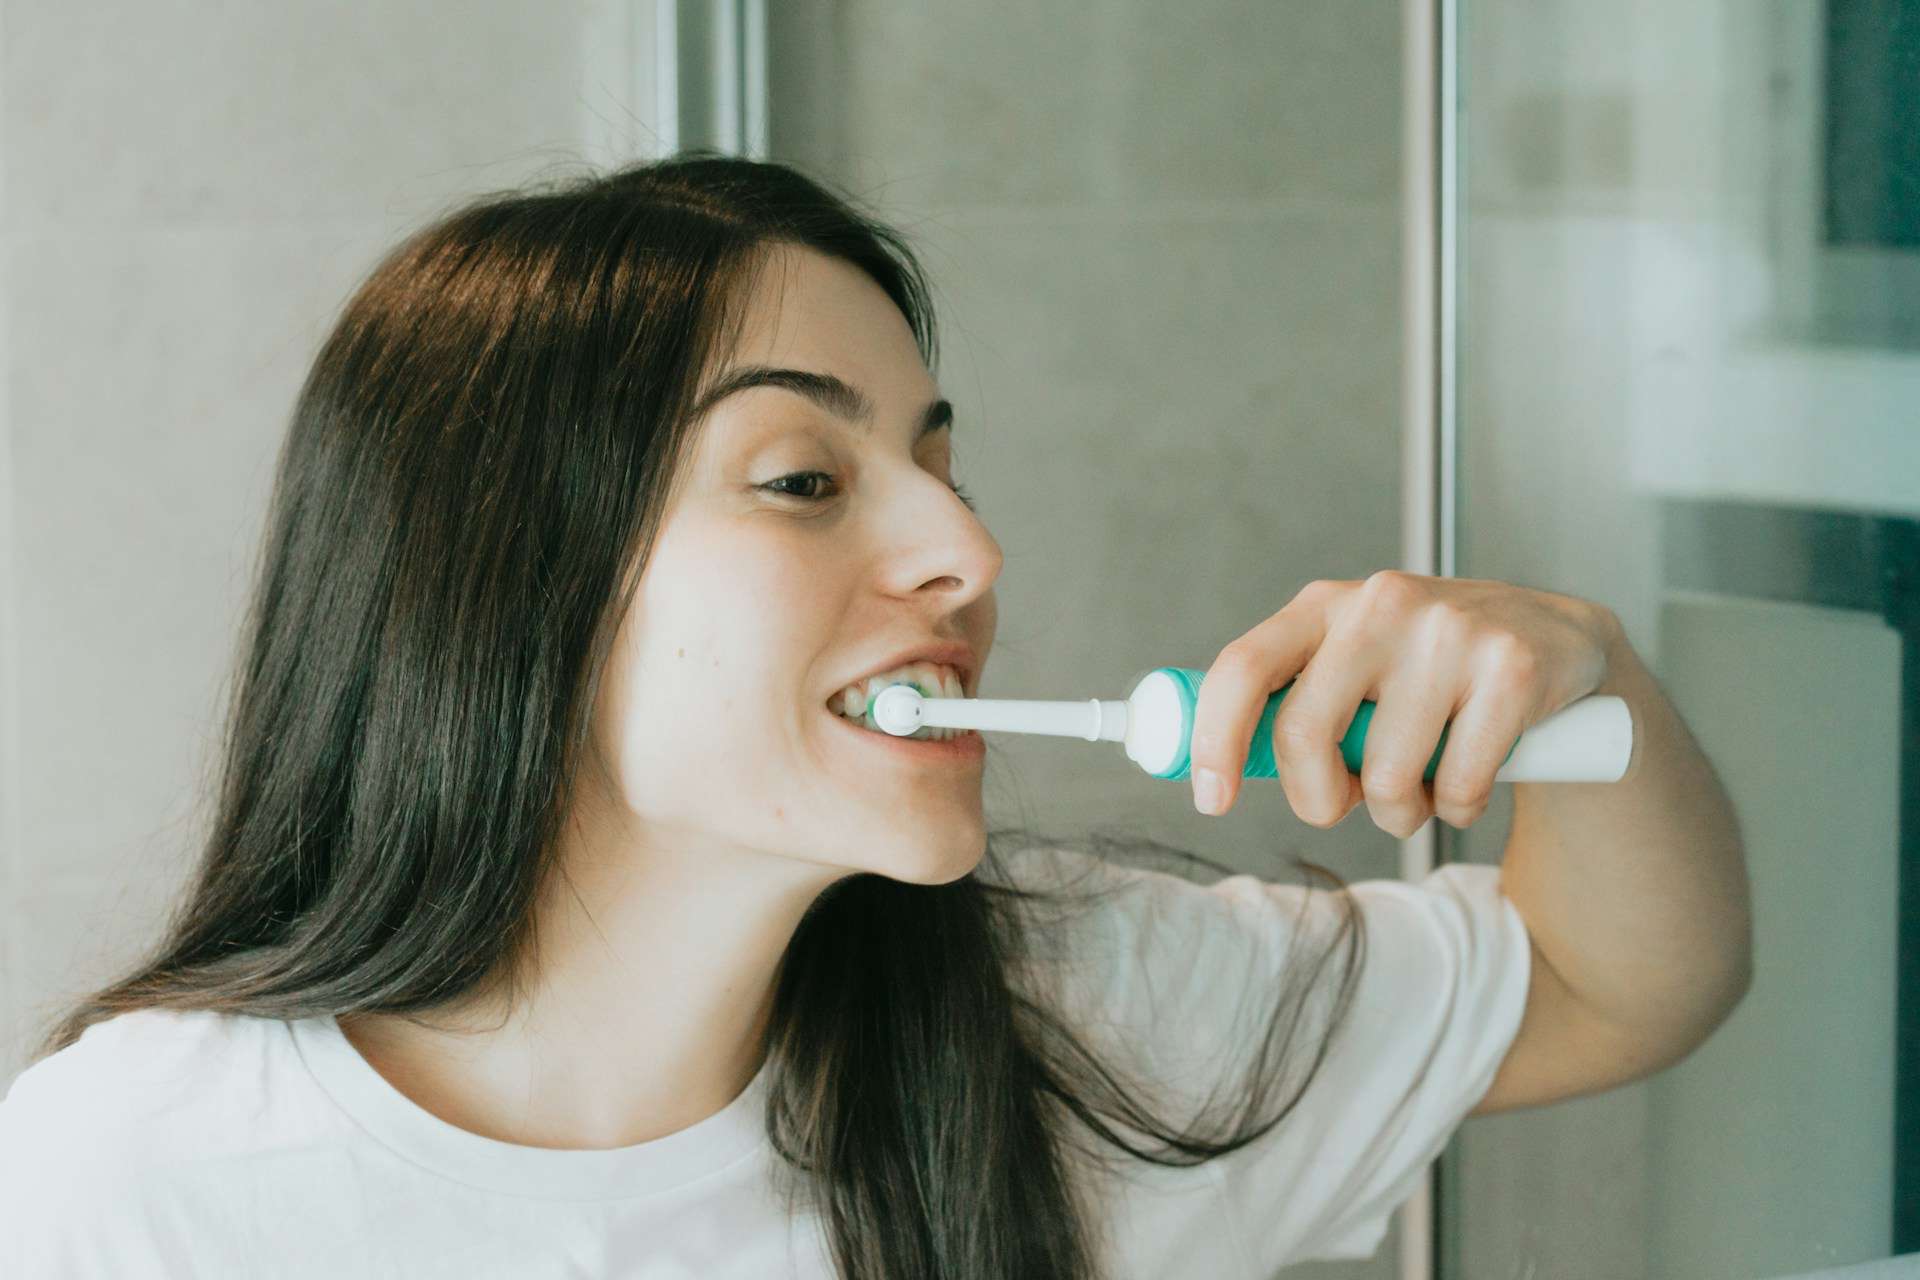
{"points": [[165, 1144]]}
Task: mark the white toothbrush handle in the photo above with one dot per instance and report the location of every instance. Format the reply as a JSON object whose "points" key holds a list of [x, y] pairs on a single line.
{"points": [[1092, 720], [1590, 740]]}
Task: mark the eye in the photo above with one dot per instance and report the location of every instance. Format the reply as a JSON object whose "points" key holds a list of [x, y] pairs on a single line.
{"points": [[797, 475], [773, 485]]}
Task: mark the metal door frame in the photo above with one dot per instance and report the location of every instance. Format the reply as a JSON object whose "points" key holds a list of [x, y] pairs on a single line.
{"points": [[710, 75], [1429, 320]]}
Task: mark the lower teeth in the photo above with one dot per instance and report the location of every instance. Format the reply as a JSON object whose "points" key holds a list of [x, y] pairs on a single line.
{"points": [[923, 734]]}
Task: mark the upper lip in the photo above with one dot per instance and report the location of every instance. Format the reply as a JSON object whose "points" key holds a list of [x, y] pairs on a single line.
{"points": [[952, 653]]}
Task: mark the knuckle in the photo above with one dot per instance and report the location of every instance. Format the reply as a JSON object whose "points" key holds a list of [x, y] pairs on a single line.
{"points": [[1511, 653], [1238, 656], [1382, 608], [1460, 797], [1295, 740], [1487, 745], [1391, 784], [1316, 590], [1392, 589], [1451, 625]]}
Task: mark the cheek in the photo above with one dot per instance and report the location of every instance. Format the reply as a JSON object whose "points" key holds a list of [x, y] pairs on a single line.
{"points": [[704, 720], [723, 647], [686, 750]]}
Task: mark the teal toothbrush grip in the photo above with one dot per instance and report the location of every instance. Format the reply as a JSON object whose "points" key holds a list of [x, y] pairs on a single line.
{"points": [[1260, 761]]}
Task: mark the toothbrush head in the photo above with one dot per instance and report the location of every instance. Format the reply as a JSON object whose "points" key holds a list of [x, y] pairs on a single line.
{"points": [[897, 709]]}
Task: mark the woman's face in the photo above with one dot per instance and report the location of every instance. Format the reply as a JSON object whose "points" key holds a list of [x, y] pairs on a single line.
{"points": [[760, 603]]}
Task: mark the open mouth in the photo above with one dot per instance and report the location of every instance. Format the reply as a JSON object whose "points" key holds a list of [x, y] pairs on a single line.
{"points": [[964, 746], [854, 704], [925, 733]]}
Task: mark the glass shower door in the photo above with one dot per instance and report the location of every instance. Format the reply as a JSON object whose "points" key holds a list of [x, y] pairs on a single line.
{"points": [[1688, 375]]}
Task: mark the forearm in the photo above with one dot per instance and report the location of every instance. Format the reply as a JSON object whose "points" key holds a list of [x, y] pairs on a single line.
{"points": [[1636, 891]]}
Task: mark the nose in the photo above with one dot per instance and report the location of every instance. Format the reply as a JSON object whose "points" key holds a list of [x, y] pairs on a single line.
{"points": [[951, 552]]}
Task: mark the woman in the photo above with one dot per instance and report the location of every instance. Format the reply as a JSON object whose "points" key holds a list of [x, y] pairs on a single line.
{"points": [[557, 921]]}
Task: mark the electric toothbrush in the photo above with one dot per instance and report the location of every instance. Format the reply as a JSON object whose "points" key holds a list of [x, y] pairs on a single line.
{"points": [[1590, 740]]}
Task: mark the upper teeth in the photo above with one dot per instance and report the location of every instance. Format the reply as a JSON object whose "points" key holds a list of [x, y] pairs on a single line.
{"points": [[854, 700]]}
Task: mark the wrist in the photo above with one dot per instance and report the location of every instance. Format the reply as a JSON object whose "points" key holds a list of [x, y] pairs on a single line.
{"points": [[1622, 661]]}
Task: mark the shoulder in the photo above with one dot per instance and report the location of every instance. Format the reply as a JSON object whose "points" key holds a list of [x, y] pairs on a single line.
{"points": [[1168, 973], [133, 1143], [1454, 917], [1182, 980], [1162, 958], [1088, 901], [133, 1089], [142, 1051]]}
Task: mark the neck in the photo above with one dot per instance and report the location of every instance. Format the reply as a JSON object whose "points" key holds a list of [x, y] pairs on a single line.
{"points": [[647, 1013]]}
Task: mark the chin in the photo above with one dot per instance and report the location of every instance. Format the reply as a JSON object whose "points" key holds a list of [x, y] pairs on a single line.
{"points": [[941, 862]]}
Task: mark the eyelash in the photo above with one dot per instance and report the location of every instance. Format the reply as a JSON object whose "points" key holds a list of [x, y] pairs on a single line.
{"points": [[958, 490]]}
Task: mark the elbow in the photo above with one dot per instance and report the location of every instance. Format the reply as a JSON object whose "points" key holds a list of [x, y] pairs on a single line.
{"points": [[1733, 977], [1738, 975], [1738, 983], [1719, 1000]]}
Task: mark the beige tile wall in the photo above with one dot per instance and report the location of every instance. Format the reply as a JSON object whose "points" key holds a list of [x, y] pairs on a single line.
{"points": [[1166, 238]]}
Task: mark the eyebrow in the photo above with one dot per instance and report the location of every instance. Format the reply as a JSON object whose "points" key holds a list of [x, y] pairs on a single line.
{"points": [[835, 395]]}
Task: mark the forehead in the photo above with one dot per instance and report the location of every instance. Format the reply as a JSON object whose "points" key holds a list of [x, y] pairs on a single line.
{"points": [[805, 309]]}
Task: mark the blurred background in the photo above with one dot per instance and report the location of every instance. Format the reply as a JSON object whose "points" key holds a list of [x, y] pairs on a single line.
{"points": [[1618, 301]]}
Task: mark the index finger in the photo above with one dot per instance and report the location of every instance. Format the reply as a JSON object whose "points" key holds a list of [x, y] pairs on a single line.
{"points": [[1234, 691]]}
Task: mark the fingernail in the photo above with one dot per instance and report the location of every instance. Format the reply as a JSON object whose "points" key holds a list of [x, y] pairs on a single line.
{"points": [[1209, 789]]}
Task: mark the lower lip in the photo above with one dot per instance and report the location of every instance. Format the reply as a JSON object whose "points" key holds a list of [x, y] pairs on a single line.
{"points": [[961, 749]]}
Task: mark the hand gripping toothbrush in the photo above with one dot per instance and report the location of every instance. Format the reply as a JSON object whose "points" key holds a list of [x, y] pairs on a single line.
{"points": [[1590, 740]]}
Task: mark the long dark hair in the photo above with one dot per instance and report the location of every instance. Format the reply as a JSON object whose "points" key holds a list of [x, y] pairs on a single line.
{"points": [[473, 477]]}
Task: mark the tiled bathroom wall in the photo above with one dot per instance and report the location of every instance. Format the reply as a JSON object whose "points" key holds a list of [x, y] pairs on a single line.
{"points": [[1164, 241]]}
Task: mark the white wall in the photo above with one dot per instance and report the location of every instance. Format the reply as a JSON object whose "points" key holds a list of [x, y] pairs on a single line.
{"points": [[191, 190]]}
